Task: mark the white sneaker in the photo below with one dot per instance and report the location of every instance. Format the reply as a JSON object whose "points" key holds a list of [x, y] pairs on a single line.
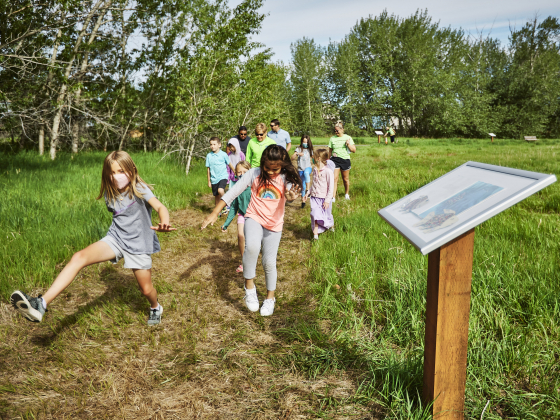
{"points": [[332, 201], [346, 196], [251, 299], [267, 307]]}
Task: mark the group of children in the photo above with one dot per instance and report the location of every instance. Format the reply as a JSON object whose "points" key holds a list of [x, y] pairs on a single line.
{"points": [[260, 183]]}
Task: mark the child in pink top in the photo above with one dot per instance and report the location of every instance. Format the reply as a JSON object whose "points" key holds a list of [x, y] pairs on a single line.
{"points": [[321, 193], [274, 182]]}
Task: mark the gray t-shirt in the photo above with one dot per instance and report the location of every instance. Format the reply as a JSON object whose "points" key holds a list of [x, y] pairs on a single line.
{"points": [[132, 219], [303, 162]]}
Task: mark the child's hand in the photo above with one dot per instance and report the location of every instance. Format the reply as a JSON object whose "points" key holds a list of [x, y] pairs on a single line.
{"points": [[209, 184], [326, 205], [210, 219], [224, 229], [162, 227], [293, 193]]}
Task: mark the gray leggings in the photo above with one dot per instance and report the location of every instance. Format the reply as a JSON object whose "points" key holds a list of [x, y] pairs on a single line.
{"points": [[255, 237]]}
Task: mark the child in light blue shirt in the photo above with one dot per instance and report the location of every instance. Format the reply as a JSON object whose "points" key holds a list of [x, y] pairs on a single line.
{"points": [[217, 162]]}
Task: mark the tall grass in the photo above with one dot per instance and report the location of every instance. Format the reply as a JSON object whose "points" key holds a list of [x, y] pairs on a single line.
{"points": [[48, 209], [371, 286]]}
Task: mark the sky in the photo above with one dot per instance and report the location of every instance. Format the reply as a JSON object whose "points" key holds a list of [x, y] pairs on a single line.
{"points": [[290, 20]]}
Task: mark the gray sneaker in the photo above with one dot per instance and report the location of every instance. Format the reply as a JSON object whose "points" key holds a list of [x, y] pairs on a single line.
{"points": [[30, 307], [155, 316]]}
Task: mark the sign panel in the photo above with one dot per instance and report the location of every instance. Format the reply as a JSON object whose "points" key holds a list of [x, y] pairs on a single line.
{"points": [[379, 133], [491, 134], [460, 200]]}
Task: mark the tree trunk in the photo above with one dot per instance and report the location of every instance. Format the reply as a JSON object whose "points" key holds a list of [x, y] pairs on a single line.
{"points": [[62, 93], [189, 157], [75, 135], [41, 139]]}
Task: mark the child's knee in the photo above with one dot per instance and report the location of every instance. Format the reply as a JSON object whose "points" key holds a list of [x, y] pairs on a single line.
{"points": [[253, 248], [269, 264], [146, 289], [79, 258]]}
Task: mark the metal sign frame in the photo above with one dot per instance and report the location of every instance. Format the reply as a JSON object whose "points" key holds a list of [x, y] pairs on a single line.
{"points": [[540, 181]]}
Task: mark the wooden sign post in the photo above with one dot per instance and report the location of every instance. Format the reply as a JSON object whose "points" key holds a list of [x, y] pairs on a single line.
{"points": [[492, 135], [447, 326], [379, 134], [439, 220]]}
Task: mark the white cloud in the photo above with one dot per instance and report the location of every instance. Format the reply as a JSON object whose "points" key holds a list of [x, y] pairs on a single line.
{"points": [[290, 20]]}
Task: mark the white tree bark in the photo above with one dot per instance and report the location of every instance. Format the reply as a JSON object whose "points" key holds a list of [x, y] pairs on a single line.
{"points": [[64, 88]]}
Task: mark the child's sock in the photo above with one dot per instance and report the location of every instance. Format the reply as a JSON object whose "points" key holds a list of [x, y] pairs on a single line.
{"points": [[44, 303], [315, 236], [157, 307]]}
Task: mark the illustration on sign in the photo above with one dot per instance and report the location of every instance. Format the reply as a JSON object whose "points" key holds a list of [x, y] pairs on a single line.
{"points": [[445, 213]]}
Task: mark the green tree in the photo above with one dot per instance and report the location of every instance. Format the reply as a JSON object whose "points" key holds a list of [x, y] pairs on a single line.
{"points": [[307, 100], [529, 90]]}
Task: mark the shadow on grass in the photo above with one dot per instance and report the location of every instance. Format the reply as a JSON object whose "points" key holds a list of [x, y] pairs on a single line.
{"points": [[121, 288], [222, 270]]}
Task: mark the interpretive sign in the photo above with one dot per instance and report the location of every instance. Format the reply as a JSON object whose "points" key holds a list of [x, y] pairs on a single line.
{"points": [[460, 200], [379, 133], [439, 219]]}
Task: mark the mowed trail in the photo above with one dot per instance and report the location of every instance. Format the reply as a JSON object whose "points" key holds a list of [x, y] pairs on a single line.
{"points": [[95, 357]]}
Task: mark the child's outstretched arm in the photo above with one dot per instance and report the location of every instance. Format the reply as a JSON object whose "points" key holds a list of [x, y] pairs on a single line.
{"points": [[231, 195], [212, 217], [234, 208], [163, 225], [209, 183]]}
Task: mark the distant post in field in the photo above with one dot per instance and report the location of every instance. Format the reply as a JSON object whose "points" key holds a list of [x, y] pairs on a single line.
{"points": [[439, 220], [492, 135], [379, 134]]}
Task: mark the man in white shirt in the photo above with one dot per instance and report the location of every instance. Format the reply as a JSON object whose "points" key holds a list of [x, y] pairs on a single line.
{"points": [[281, 137]]}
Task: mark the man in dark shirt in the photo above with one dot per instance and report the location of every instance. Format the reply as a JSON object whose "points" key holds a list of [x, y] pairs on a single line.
{"points": [[243, 138]]}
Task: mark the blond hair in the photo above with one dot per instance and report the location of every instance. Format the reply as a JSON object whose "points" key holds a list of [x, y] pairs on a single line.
{"points": [[339, 124], [108, 188], [321, 154], [243, 164], [261, 128]]}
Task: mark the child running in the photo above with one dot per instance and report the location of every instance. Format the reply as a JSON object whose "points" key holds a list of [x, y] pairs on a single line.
{"points": [[321, 193], [131, 237], [304, 153], [217, 162], [272, 184], [239, 207]]}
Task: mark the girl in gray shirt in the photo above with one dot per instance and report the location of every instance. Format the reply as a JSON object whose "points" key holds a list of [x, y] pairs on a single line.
{"points": [[131, 237], [304, 153]]}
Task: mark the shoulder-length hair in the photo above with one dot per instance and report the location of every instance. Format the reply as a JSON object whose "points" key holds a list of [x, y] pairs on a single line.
{"points": [[309, 144], [108, 187]]}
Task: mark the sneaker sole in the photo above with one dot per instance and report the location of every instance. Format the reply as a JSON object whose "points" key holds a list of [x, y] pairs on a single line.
{"points": [[22, 305], [156, 323]]}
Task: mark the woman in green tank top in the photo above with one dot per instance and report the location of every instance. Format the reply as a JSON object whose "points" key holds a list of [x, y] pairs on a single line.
{"points": [[340, 147]]}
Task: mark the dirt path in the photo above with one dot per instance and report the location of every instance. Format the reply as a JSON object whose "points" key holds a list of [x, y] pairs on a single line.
{"points": [[94, 356]]}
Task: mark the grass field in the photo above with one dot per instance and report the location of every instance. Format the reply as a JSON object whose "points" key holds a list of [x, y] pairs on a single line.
{"points": [[350, 320], [49, 209]]}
